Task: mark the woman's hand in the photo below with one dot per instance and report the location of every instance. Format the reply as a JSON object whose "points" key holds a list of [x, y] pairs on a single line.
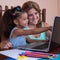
{"points": [[50, 28], [47, 25]]}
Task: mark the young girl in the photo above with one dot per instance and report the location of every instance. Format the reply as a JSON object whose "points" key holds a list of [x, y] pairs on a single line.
{"points": [[15, 20]]}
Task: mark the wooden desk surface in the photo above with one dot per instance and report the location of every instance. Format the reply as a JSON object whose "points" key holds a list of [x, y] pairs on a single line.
{"points": [[3, 57], [57, 50]]}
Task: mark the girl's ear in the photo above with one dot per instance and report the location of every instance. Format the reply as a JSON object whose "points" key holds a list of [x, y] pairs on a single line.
{"points": [[15, 22]]}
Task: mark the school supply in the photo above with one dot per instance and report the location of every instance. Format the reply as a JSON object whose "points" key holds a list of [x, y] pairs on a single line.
{"points": [[38, 54], [28, 55]]}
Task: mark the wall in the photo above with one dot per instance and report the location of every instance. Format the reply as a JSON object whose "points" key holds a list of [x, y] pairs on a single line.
{"points": [[50, 5], [58, 8]]}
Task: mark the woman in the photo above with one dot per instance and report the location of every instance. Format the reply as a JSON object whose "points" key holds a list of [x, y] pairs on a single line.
{"points": [[33, 10]]}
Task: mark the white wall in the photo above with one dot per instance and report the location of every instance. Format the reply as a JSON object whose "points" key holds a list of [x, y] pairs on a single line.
{"points": [[51, 9], [50, 5], [11, 2], [58, 8]]}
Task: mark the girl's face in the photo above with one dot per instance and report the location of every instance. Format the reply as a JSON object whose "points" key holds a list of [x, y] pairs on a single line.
{"points": [[33, 16], [23, 21]]}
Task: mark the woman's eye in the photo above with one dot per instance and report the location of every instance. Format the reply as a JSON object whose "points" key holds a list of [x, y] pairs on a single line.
{"points": [[24, 19], [36, 13]]}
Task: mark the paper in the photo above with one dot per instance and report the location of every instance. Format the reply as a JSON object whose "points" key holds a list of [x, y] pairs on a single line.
{"points": [[14, 53]]}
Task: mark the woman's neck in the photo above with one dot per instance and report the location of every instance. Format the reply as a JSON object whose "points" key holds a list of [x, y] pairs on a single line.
{"points": [[32, 26]]}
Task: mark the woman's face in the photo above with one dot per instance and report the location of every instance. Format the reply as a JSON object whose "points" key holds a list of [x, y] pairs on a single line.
{"points": [[33, 16]]}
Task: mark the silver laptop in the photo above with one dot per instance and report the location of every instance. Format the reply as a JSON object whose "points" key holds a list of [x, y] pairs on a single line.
{"points": [[51, 44]]}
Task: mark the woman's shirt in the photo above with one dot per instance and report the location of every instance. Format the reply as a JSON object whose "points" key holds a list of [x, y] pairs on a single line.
{"points": [[42, 35], [18, 41]]}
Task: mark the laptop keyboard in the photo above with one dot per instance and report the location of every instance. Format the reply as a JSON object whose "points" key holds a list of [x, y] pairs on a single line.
{"points": [[43, 46]]}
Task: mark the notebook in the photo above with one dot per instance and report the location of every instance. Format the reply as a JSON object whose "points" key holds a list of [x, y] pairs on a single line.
{"points": [[51, 44]]}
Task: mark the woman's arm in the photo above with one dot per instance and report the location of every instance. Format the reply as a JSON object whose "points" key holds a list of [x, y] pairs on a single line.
{"points": [[49, 32], [31, 41]]}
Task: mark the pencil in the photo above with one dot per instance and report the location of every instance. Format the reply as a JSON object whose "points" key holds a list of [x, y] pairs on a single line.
{"points": [[39, 54]]}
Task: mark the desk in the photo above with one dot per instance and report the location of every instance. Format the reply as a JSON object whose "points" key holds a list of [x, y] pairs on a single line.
{"points": [[57, 50], [3, 57]]}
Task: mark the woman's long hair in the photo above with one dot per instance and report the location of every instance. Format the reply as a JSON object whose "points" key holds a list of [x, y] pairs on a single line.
{"points": [[29, 5]]}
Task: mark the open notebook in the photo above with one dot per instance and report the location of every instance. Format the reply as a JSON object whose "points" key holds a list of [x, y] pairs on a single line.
{"points": [[51, 44]]}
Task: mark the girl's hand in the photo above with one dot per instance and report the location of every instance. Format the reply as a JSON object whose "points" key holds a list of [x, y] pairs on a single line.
{"points": [[8, 45]]}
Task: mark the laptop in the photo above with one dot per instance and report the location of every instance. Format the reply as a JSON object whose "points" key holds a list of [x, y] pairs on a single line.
{"points": [[49, 45]]}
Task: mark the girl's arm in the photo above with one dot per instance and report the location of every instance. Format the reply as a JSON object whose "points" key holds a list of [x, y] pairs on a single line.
{"points": [[19, 31]]}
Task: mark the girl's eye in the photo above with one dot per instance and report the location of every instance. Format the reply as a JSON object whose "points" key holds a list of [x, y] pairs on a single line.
{"points": [[30, 15], [24, 19]]}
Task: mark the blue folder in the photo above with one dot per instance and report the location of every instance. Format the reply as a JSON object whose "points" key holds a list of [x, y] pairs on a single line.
{"points": [[10, 59]]}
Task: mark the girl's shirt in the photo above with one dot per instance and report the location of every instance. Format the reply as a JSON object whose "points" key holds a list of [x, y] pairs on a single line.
{"points": [[18, 41], [43, 35]]}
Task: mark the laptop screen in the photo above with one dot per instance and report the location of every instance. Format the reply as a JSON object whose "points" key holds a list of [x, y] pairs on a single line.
{"points": [[56, 31], [55, 37]]}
